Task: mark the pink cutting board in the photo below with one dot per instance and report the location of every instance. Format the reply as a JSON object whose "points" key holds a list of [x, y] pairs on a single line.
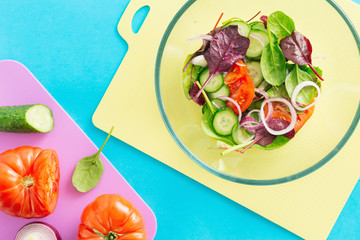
{"points": [[19, 86]]}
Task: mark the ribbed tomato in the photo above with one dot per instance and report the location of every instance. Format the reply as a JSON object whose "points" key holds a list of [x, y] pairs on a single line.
{"points": [[113, 217], [29, 182]]}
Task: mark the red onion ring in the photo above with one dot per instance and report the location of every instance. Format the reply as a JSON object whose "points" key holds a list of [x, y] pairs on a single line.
{"points": [[240, 65], [292, 112], [296, 92], [266, 96], [252, 111], [246, 123], [43, 230], [233, 102], [262, 92], [204, 36]]}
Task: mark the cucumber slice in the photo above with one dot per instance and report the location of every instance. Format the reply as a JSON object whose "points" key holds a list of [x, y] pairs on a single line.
{"points": [[206, 125], [258, 25], [243, 27], [218, 103], [223, 122], [255, 73], [214, 84], [223, 91], [36, 118], [258, 40], [240, 135]]}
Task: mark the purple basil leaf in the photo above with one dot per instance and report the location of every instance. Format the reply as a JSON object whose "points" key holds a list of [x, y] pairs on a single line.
{"points": [[290, 134], [279, 124], [204, 47], [264, 20], [226, 48], [297, 48], [265, 138], [200, 100]]}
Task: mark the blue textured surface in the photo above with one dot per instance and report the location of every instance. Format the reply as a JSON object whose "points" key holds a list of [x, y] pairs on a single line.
{"points": [[74, 50]]}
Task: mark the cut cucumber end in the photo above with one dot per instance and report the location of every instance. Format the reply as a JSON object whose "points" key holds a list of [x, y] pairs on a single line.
{"points": [[243, 27], [214, 84], [40, 118], [254, 70], [258, 40]]}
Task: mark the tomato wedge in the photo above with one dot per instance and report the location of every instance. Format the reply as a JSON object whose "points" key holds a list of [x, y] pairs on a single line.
{"points": [[241, 87], [280, 111], [111, 216], [29, 182]]}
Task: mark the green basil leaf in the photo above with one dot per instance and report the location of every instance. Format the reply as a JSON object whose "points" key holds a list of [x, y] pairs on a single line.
{"points": [[273, 64], [89, 170], [295, 77], [280, 24], [190, 75]]}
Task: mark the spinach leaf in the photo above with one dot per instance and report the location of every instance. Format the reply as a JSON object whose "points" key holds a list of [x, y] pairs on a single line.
{"points": [[189, 75], [280, 24], [295, 77], [278, 91], [273, 64], [89, 170], [206, 125], [311, 72]]}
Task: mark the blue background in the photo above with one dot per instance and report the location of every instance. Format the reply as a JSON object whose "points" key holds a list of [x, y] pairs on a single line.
{"points": [[73, 48]]}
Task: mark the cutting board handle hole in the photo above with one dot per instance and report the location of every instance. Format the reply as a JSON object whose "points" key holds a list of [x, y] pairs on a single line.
{"points": [[139, 18]]}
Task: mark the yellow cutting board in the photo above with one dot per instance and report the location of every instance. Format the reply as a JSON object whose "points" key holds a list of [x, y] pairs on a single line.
{"points": [[307, 207]]}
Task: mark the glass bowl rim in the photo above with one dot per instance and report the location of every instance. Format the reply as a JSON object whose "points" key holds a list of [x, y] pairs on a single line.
{"points": [[218, 173]]}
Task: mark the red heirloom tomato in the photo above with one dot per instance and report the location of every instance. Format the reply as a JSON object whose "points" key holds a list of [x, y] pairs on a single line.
{"points": [[29, 182], [111, 217]]}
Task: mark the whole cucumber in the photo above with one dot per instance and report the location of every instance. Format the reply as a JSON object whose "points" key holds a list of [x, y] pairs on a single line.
{"points": [[34, 118]]}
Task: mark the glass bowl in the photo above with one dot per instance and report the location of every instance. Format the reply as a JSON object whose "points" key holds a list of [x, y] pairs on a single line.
{"points": [[336, 47]]}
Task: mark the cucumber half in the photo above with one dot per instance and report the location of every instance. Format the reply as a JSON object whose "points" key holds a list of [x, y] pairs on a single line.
{"points": [[36, 118], [243, 27], [258, 25], [258, 40]]}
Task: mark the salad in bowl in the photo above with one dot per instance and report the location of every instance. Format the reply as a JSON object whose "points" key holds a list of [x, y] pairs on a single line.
{"points": [[254, 80]]}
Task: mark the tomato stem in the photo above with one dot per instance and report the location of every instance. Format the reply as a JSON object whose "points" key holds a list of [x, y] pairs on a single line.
{"points": [[28, 181], [112, 236]]}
